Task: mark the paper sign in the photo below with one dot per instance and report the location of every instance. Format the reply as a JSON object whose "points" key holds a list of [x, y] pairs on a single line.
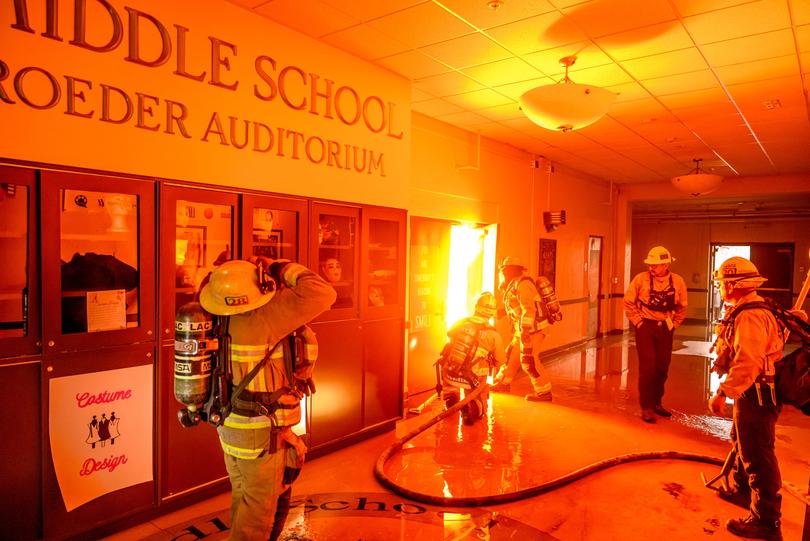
{"points": [[101, 432], [106, 310]]}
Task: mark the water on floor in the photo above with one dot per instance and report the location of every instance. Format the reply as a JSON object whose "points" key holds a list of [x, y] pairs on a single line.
{"points": [[520, 446]]}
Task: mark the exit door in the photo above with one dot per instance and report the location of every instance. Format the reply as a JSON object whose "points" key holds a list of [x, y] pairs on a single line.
{"points": [[594, 282]]}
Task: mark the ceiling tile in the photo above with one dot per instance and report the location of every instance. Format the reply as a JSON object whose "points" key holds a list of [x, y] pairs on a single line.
{"points": [[365, 11], [365, 42], [313, 18], [803, 37], [628, 91], [515, 90], [675, 84], [604, 17], [537, 33], [447, 84], [469, 50], [502, 71], [739, 21], [750, 48], [640, 42], [692, 98], [481, 15], [480, 99], [413, 65], [436, 107], [548, 61], [660, 65], [693, 7], [421, 25], [507, 111], [772, 68], [788, 90], [801, 11], [640, 111]]}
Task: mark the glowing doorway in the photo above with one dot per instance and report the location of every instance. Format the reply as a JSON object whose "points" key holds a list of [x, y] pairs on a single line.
{"points": [[471, 269]]}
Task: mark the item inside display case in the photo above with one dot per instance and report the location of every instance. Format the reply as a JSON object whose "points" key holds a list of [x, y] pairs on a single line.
{"points": [[336, 239], [13, 273]]}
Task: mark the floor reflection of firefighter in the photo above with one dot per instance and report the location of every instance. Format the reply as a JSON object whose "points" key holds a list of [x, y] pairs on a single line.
{"points": [[475, 351]]}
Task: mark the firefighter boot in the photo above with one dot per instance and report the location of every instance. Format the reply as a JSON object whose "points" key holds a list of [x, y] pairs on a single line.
{"points": [[755, 529]]}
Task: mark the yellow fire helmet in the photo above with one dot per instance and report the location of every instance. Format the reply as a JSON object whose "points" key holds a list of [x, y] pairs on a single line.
{"points": [[658, 255], [234, 288], [741, 272], [485, 305], [511, 261]]}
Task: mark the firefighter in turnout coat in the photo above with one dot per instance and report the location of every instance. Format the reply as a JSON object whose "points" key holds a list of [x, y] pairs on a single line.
{"points": [[475, 351], [265, 302], [749, 343]]}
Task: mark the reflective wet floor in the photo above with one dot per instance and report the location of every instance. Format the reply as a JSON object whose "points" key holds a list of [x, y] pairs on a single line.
{"points": [[520, 445]]}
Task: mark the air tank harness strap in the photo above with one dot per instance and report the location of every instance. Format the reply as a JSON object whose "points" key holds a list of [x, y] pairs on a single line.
{"points": [[236, 402]]}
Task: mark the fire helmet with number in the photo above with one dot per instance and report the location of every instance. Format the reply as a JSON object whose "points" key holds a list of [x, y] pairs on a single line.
{"points": [[739, 271], [658, 255], [485, 305], [234, 288]]}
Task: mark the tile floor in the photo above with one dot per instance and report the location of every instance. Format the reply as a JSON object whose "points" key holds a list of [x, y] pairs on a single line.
{"points": [[519, 445]]}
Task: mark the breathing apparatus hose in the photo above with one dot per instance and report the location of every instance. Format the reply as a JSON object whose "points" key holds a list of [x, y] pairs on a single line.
{"points": [[494, 499]]}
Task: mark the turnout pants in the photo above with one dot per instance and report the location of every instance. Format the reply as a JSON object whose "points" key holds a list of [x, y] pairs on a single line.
{"points": [[654, 348], [259, 501], [756, 470], [524, 348]]}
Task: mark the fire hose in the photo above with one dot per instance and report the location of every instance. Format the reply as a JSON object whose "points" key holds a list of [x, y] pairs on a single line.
{"points": [[548, 486]]}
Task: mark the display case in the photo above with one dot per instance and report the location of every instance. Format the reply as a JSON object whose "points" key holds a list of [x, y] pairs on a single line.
{"points": [[98, 261], [19, 276], [198, 232], [335, 255], [275, 227]]}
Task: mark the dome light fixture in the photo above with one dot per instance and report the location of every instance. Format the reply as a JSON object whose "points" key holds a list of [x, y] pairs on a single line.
{"points": [[566, 105], [697, 182]]}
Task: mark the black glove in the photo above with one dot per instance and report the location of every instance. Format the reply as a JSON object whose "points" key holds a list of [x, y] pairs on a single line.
{"points": [[306, 386], [276, 271]]}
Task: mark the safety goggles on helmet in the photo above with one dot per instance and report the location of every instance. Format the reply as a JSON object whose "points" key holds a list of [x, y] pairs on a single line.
{"points": [[658, 255], [739, 271], [236, 287]]}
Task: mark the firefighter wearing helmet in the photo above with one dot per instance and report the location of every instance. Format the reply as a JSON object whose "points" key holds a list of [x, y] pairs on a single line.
{"points": [[473, 352], [655, 303], [262, 303], [530, 313], [749, 343]]}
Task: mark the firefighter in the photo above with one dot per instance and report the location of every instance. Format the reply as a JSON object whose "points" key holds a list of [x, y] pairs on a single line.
{"points": [[474, 351], [264, 302], [655, 303], [530, 313], [747, 351]]}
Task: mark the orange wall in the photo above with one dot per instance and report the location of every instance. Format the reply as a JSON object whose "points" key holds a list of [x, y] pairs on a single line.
{"points": [[506, 189]]}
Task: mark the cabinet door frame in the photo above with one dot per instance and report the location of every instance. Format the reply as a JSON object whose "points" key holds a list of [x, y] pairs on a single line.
{"points": [[253, 201], [169, 195], [396, 309], [31, 343], [317, 208], [55, 342]]}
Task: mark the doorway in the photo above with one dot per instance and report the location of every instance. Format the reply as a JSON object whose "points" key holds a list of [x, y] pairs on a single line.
{"points": [[594, 285], [449, 265], [774, 260]]}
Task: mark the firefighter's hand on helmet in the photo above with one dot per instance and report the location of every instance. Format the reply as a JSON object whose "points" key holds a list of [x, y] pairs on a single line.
{"points": [[306, 386]]}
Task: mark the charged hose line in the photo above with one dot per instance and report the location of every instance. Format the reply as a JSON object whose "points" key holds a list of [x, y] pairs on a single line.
{"points": [[494, 499]]}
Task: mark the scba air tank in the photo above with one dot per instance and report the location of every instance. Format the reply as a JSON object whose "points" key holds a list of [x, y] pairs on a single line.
{"points": [[193, 345], [550, 304]]}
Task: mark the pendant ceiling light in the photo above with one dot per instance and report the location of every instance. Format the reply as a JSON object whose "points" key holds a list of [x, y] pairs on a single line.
{"points": [[566, 105], [697, 182]]}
